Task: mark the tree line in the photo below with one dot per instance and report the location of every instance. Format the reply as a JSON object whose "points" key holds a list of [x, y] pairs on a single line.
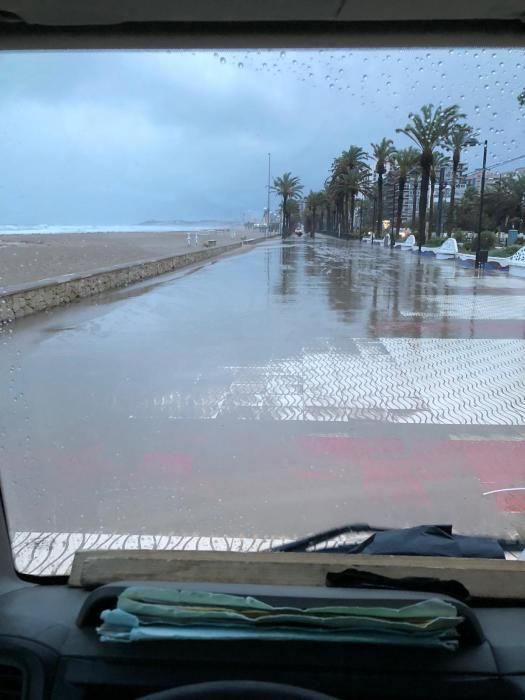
{"points": [[439, 137]]}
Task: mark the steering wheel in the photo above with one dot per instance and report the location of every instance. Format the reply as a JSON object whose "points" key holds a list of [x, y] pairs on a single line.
{"points": [[235, 690]]}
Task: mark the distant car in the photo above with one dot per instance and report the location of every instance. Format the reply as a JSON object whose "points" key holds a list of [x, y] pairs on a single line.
{"points": [[299, 230]]}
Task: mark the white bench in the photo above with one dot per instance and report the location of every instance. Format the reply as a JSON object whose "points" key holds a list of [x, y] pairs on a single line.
{"points": [[517, 263], [408, 244], [448, 250]]}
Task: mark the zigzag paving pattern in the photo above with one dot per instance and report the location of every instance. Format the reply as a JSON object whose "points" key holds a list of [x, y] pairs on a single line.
{"points": [[484, 306], [296, 387], [398, 380], [51, 553]]}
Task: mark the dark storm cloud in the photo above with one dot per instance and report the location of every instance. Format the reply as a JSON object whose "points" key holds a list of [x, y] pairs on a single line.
{"points": [[122, 137]]}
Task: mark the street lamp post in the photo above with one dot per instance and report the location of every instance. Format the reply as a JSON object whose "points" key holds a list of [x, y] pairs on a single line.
{"points": [[415, 185], [441, 187], [374, 216], [446, 203], [481, 196], [392, 227], [268, 201]]}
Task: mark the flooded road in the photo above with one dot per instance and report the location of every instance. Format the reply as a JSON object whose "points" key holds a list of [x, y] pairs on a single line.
{"points": [[293, 387]]}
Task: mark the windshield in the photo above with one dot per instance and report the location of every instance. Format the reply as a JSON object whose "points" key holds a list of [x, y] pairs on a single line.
{"points": [[243, 296]]}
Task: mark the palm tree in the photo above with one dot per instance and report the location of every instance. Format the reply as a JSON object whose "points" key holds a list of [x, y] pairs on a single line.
{"points": [[415, 186], [288, 187], [293, 213], [342, 183], [335, 204], [505, 200], [405, 162], [461, 137], [357, 181], [332, 205], [346, 187], [314, 201], [383, 152], [354, 158], [439, 161], [429, 130]]}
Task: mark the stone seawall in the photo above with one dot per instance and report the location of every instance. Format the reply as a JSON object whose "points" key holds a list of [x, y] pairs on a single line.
{"points": [[27, 299]]}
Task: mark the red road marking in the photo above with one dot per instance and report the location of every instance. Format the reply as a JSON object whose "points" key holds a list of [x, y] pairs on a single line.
{"points": [[401, 469], [316, 474], [510, 501], [167, 464], [450, 328]]}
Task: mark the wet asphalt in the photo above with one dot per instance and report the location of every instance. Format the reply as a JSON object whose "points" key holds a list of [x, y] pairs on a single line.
{"points": [[291, 387]]}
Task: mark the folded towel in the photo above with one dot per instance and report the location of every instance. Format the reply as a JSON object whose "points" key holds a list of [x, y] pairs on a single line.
{"points": [[155, 613]]}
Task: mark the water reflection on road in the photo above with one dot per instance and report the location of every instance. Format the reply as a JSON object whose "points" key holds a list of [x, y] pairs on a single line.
{"points": [[281, 390]]}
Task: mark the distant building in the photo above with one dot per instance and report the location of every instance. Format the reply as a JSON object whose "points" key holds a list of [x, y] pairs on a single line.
{"points": [[408, 199], [461, 180], [474, 178]]}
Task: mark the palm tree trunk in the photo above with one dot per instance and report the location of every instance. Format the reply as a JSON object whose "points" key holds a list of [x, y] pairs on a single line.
{"points": [[452, 205], [414, 203], [423, 198], [400, 201], [352, 211], [374, 218], [313, 219], [379, 224], [285, 200], [431, 206]]}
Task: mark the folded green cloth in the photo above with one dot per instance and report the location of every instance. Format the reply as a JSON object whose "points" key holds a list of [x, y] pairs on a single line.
{"points": [[156, 613]]}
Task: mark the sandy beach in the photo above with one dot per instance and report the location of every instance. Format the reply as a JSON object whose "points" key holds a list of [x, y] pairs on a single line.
{"points": [[30, 258]]}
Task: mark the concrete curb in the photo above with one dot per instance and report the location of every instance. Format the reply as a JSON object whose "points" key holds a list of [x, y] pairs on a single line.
{"points": [[23, 300]]}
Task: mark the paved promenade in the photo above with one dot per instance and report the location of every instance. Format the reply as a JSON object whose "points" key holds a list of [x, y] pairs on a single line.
{"points": [[295, 387]]}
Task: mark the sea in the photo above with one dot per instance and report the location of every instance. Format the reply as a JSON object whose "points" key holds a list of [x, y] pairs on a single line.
{"points": [[127, 228]]}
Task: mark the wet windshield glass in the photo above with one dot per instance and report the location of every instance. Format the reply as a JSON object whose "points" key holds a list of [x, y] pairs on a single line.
{"points": [[240, 299]]}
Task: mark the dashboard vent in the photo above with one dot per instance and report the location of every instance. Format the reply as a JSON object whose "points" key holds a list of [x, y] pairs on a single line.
{"points": [[11, 682]]}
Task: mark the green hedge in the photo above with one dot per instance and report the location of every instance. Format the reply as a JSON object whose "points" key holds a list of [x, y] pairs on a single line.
{"points": [[488, 241], [435, 242], [504, 252]]}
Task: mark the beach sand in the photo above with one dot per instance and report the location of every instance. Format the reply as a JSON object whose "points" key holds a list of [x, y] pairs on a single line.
{"points": [[30, 258]]}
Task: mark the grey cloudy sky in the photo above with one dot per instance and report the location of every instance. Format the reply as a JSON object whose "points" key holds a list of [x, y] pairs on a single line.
{"points": [[117, 138]]}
